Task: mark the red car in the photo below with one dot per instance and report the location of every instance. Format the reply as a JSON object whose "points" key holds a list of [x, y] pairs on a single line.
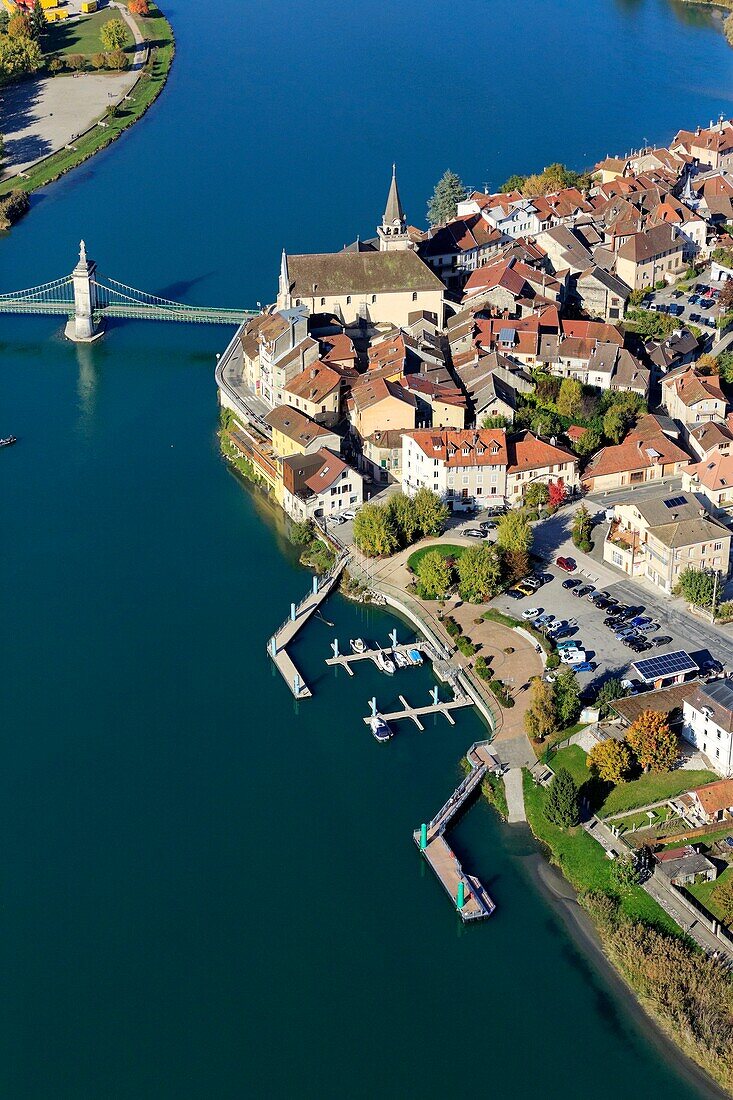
{"points": [[567, 564]]}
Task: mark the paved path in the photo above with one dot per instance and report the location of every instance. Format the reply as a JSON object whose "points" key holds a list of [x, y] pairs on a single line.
{"points": [[42, 116], [514, 795]]}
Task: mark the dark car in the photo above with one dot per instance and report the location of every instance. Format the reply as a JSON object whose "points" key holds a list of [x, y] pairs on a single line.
{"points": [[711, 666], [695, 318], [631, 638], [613, 620], [641, 645], [571, 582], [515, 594], [562, 632], [496, 510], [568, 564], [661, 639], [583, 590], [601, 604], [487, 525], [674, 310]]}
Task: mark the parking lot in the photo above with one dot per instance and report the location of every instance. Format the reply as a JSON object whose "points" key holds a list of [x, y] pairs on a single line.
{"points": [[610, 657], [689, 307]]}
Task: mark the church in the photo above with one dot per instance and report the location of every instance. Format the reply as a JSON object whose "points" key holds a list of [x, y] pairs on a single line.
{"points": [[371, 283]]}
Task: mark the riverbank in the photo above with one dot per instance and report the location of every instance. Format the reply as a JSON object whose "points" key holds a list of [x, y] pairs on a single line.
{"points": [[158, 34]]}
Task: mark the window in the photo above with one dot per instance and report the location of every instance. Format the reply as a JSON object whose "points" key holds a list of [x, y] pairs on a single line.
{"points": [[323, 301], [348, 300], [414, 295]]}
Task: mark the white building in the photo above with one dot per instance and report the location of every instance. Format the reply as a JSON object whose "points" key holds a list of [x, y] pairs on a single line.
{"points": [[708, 723]]}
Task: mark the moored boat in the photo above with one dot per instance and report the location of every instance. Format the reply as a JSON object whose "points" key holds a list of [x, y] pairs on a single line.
{"points": [[415, 656], [383, 662], [380, 729], [358, 645], [8, 441], [401, 659]]}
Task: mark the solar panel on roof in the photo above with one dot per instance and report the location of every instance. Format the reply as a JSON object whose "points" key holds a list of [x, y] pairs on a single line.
{"points": [[506, 335], [668, 664], [674, 502]]}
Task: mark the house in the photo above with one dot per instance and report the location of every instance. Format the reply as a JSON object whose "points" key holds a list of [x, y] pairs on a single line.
{"points": [[466, 468], [492, 382], [461, 246], [706, 805], [685, 866], [602, 294], [673, 351], [692, 397], [437, 404], [377, 404], [712, 147], [711, 479], [610, 168], [295, 433], [319, 485], [381, 456], [710, 438], [651, 256], [531, 460], [647, 454], [361, 287], [659, 537], [708, 723], [316, 392]]}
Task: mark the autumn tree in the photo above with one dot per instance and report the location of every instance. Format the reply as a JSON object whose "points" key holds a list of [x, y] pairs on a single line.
{"points": [[569, 397], [114, 34], [434, 575], [431, 512], [653, 743], [117, 59], [443, 204], [567, 697], [536, 494], [556, 493], [562, 802], [99, 60], [726, 294], [540, 719], [479, 573], [514, 536], [20, 26], [611, 760], [138, 7], [374, 535]]}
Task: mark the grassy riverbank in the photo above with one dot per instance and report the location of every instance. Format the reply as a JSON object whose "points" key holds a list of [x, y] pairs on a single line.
{"points": [[158, 31], [687, 994]]}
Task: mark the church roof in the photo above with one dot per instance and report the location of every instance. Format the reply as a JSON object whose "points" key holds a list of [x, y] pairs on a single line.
{"points": [[393, 211], [336, 273]]}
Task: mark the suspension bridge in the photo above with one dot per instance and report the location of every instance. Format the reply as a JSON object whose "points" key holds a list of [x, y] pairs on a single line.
{"points": [[86, 299]]}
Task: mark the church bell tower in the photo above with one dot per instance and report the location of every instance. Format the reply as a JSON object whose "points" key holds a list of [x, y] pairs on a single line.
{"points": [[392, 233]]}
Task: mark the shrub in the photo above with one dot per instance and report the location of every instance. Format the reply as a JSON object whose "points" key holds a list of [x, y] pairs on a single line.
{"points": [[725, 611], [453, 628], [465, 646], [301, 534], [482, 668], [117, 59], [99, 60], [499, 690], [55, 65], [76, 61]]}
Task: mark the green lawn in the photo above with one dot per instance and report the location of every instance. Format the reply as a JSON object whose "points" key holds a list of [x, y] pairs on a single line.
{"points": [[583, 861], [79, 35], [506, 620], [641, 819], [654, 787], [446, 550], [705, 894]]}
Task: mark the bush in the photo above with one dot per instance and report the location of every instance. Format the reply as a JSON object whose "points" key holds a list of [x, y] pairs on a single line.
{"points": [[724, 611], [99, 60], [465, 646], [56, 65], [452, 627], [482, 668], [301, 534], [499, 690], [117, 59], [76, 61]]}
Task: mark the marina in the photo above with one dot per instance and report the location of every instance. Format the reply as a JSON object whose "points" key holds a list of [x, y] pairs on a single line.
{"points": [[466, 891], [346, 660], [436, 706]]}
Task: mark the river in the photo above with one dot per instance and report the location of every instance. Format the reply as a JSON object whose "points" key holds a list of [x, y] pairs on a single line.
{"points": [[206, 891]]}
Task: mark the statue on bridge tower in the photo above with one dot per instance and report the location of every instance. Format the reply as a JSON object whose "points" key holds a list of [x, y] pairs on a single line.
{"points": [[81, 327]]}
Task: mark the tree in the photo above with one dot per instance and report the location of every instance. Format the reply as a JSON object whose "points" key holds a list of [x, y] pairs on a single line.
{"points": [[562, 803], [434, 575], [117, 59], [610, 690], [569, 397], [582, 529], [374, 535], [431, 512], [725, 366], [99, 60], [553, 178], [495, 420], [449, 191], [536, 494], [615, 423], [624, 872], [403, 518], [726, 294], [514, 536], [76, 61], [514, 183], [20, 26], [38, 19], [707, 364], [652, 741], [611, 760], [301, 534], [479, 573], [696, 586], [557, 493], [588, 443], [567, 698], [18, 56], [114, 34], [540, 719], [138, 7], [723, 895]]}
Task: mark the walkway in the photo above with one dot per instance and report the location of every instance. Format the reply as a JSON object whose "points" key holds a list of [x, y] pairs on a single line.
{"points": [[514, 788], [276, 646]]}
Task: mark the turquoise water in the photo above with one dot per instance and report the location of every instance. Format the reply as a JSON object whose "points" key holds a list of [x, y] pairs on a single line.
{"points": [[204, 889]]}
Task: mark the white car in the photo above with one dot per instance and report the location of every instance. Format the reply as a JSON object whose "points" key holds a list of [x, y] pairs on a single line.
{"points": [[573, 657], [349, 514], [531, 612]]}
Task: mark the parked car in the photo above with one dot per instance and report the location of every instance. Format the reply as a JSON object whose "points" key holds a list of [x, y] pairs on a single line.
{"points": [[573, 657], [531, 612], [348, 514], [675, 310], [585, 666], [640, 620], [533, 582], [515, 594], [487, 525], [625, 631], [649, 628], [524, 589], [601, 604], [661, 639], [496, 510], [568, 564], [561, 632], [543, 620], [640, 645], [571, 582], [706, 303], [711, 666], [613, 621], [693, 299], [473, 533], [585, 590], [695, 318], [570, 644]]}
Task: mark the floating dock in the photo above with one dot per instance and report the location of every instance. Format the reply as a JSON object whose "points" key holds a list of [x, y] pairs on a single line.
{"points": [[468, 894], [299, 615], [346, 660], [416, 713]]}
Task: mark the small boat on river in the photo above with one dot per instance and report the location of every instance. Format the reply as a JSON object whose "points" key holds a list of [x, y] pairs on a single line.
{"points": [[358, 645], [381, 731], [8, 441], [383, 662]]}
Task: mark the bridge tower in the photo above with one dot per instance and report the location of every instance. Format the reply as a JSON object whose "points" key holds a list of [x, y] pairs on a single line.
{"points": [[81, 327]]}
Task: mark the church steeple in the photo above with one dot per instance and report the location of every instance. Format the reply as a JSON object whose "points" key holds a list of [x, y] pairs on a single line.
{"points": [[393, 230], [283, 290]]}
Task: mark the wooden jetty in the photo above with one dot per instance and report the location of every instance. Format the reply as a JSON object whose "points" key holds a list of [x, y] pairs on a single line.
{"points": [[467, 892], [299, 615], [416, 713], [346, 660]]}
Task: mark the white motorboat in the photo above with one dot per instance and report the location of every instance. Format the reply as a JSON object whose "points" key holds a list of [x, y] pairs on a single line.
{"points": [[383, 662], [380, 729], [358, 645], [401, 659], [414, 656]]}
